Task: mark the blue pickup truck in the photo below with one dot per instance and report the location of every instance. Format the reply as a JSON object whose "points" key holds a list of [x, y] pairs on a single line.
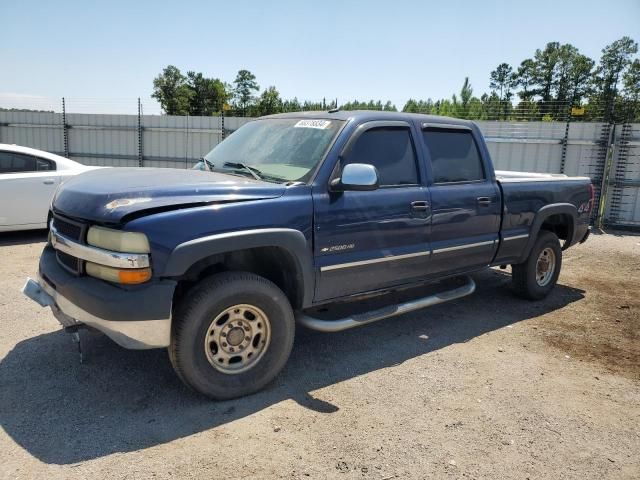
{"points": [[291, 212]]}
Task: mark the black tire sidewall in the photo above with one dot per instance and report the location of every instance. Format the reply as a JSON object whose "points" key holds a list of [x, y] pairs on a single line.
{"points": [[211, 298], [545, 240]]}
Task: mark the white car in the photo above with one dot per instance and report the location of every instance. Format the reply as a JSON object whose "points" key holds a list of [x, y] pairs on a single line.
{"points": [[28, 180]]}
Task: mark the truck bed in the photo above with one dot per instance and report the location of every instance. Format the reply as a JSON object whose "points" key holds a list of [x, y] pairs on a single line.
{"points": [[513, 176], [524, 194]]}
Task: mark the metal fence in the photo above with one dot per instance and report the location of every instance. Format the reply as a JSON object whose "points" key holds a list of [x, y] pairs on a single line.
{"points": [[119, 140], [622, 185], [608, 153]]}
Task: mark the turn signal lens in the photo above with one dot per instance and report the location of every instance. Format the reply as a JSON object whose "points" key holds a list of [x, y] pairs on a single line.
{"points": [[117, 275], [134, 276]]}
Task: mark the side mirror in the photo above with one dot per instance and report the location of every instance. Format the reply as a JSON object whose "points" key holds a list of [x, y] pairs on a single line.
{"points": [[358, 177]]}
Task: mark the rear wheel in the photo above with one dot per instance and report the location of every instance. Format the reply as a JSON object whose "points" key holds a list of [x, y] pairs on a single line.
{"points": [[232, 335], [535, 278]]}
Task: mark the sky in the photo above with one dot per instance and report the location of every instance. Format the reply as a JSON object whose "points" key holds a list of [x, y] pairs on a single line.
{"points": [[102, 55]]}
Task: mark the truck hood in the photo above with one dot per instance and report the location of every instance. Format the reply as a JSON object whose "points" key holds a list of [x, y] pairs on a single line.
{"points": [[108, 195]]}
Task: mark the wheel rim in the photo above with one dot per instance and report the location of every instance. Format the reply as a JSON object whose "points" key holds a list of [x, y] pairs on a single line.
{"points": [[237, 338], [545, 267]]}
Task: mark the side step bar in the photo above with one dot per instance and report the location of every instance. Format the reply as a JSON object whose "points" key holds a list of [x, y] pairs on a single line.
{"points": [[391, 311]]}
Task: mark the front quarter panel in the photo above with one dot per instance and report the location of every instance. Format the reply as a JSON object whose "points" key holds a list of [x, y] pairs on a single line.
{"points": [[167, 230]]}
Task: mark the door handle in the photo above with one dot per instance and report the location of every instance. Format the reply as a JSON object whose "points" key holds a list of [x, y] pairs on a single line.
{"points": [[484, 201], [420, 205], [48, 181]]}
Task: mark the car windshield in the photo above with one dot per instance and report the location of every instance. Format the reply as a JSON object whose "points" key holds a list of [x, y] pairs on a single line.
{"points": [[279, 150]]}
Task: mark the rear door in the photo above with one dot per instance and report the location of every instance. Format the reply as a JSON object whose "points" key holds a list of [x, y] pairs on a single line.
{"points": [[366, 240], [465, 200], [27, 184]]}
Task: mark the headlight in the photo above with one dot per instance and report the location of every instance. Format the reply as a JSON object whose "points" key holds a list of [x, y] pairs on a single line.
{"points": [[117, 240]]}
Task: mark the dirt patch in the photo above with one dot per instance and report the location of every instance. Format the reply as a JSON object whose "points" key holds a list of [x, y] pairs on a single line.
{"points": [[489, 386], [606, 329]]}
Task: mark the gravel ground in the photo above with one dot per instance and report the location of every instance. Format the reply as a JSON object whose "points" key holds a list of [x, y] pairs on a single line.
{"points": [[489, 386]]}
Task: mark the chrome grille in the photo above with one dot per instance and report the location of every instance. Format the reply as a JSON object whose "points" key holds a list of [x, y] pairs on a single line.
{"points": [[68, 228], [72, 264], [74, 231]]}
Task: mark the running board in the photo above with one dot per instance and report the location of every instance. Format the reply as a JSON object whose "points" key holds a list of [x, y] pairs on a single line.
{"points": [[391, 311]]}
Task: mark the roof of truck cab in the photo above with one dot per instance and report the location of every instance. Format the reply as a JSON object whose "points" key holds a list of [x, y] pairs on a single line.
{"points": [[371, 115]]}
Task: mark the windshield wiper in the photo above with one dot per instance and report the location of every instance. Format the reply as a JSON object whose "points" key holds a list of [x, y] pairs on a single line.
{"points": [[207, 163], [255, 173]]}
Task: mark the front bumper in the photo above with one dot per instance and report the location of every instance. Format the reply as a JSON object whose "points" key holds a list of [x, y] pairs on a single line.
{"points": [[134, 317]]}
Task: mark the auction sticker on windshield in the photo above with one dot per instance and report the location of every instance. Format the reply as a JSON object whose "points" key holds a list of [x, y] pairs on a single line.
{"points": [[320, 124]]}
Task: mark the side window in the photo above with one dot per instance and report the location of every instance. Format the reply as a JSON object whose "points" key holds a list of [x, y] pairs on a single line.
{"points": [[454, 156], [6, 162], [44, 165], [391, 151], [16, 163]]}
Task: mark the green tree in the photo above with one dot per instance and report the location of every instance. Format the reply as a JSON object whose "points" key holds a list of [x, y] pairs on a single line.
{"points": [[476, 110], [245, 86], [419, 106], [571, 78], [561, 77], [544, 73], [270, 102], [616, 57], [446, 108], [466, 93], [208, 95], [411, 106], [370, 105], [309, 106], [526, 110], [492, 106], [525, 78], [291, 105], [389, 107], [172, 92], [427, 106], [503, 81], [631, 83], [580, 78]]}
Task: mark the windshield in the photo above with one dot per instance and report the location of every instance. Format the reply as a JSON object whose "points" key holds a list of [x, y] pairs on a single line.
{"points": [[282, 150]]}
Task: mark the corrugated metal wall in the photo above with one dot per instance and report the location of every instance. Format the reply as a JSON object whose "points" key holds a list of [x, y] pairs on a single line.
{"points": [[577, 148], [525, 146], [538, 146], [113, 140], [36, 130], [103, 139], [623, 196]]}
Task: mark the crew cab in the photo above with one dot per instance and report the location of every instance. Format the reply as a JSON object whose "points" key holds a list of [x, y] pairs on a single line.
{"points": [[289, 213]]}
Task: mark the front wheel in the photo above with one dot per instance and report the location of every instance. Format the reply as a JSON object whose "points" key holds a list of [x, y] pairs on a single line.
{"points": [[232, 335], [537, 275]]}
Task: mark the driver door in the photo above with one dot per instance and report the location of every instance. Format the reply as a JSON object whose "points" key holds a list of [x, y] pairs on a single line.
{"points": [[367, 240]]}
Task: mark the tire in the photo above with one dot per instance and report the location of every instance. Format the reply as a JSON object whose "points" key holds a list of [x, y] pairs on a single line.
{"points": [[527, 280], [219, 309]]}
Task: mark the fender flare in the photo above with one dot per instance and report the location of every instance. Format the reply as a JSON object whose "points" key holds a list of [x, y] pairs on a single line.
{"points": [[293, 241], [544, 213]]}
